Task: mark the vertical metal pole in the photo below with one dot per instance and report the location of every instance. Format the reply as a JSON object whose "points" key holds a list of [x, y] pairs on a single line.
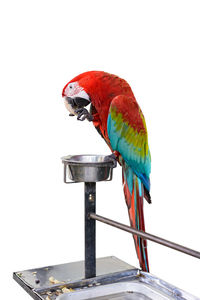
{"points": [[90, 230]]}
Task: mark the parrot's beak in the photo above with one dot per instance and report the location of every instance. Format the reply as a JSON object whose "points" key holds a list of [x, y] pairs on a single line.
{"points": [[77, 102], [72, 104]]}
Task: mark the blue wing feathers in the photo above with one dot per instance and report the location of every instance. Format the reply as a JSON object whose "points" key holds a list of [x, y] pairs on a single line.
{"points": [[139, 166]]}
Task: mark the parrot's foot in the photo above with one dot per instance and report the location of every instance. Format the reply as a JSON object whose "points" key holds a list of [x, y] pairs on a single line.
{"points": [[71, 115], [112, 157], [83, 114]]}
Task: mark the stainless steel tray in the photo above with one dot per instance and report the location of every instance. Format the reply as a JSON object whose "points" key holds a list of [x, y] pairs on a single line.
{"points": [[117, 291], [146, 287], [115, 280]]}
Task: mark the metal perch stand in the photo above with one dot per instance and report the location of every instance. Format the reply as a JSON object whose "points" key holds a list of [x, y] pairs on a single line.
{"points": [[103, 278], [88, 169]]}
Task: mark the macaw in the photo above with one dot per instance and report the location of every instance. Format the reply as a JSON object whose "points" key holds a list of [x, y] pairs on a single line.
{"points": [[118, 118]]}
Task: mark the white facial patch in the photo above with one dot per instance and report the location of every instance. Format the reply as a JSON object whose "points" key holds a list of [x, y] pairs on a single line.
{"points": [[73, 90]]}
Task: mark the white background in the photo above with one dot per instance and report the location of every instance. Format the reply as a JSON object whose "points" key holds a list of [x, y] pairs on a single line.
{"points": [[155, 46]]}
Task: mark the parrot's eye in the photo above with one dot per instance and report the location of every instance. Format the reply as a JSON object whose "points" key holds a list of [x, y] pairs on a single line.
{"points": [[70, 86]]}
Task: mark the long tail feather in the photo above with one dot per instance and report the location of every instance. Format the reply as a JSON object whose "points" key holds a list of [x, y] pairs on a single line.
{"points": [[134, 194]]}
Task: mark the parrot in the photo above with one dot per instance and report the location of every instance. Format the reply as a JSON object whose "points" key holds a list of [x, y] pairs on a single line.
{"points": [[117, 117]]}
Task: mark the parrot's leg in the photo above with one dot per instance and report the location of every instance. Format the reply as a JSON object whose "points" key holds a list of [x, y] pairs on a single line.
{"points": [[83, 114]]}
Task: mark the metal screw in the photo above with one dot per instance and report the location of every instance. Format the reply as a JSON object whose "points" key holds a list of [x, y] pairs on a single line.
{"points": [[91, 197]]}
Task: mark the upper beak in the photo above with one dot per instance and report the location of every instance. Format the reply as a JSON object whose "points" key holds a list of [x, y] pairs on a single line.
{"points": [[78, 102]]}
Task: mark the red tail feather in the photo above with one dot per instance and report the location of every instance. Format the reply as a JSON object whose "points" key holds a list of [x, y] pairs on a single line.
{"points": [[134, 203]]}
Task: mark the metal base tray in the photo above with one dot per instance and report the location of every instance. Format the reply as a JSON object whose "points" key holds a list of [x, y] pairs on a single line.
{"points": [[118, 291], [115, 280], [138, 286]]}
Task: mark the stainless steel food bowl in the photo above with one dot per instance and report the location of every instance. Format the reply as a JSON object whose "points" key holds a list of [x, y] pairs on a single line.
{"points": [[87, 168]]}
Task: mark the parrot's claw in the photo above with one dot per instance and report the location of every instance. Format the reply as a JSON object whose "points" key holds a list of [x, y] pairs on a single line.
{"points": [[83, 114], [71, 115], [112, 157]]}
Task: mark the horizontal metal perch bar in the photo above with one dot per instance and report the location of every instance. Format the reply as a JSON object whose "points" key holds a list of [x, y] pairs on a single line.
{"points": [[146, 236]]}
